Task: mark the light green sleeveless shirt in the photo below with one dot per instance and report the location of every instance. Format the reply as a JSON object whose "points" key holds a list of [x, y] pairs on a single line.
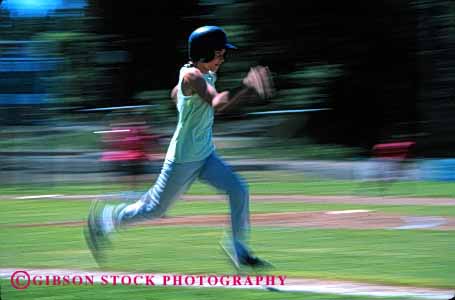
{"points": [[192, 139]]}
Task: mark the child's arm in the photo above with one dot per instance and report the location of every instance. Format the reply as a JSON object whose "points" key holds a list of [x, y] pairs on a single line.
{"points": [[258, 80]]}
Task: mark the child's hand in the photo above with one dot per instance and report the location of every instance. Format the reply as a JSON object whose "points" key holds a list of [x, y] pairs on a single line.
{"points": [[260, 79]]}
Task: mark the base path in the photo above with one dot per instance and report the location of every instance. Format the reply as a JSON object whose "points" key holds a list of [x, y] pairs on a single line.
{"points": [[346, 219], [350, 199], [388, 200], [289, 284]]}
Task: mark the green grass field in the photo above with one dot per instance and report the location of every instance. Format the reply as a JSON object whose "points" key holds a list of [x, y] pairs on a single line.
{"points": [[396, 257], [45, 211], [393, 257], [260, 183]]}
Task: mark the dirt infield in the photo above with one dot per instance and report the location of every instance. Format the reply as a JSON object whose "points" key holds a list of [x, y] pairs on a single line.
{"points": [[388, 200], [350, 199], [347, 219]]}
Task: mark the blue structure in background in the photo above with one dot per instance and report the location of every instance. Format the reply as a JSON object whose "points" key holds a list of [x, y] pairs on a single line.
{"points": [[438, 169], [22, 89], [39, 8], [20, 74]]}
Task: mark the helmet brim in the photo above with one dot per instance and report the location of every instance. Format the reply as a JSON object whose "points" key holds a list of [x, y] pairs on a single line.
{"points": [[230, 46]]}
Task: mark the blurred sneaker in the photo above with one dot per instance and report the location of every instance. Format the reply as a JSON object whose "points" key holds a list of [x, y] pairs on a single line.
{"points": [[246, 260], [254, 262], [99, 225]]}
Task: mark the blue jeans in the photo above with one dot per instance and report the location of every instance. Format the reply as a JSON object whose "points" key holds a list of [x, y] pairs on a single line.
{"points": [[176, 178]]}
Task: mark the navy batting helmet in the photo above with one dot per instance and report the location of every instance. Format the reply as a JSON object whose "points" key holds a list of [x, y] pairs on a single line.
{"points": [[203, 42]]}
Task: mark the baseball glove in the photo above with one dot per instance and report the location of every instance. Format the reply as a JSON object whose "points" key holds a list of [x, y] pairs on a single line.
{"points": [[260, 80]]}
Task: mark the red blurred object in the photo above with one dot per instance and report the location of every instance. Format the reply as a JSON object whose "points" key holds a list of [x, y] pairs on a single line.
{"points": [[130, 143], [396, 150]]}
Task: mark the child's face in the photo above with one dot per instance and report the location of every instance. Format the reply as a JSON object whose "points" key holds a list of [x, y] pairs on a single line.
{"points": [[217, 61]]}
